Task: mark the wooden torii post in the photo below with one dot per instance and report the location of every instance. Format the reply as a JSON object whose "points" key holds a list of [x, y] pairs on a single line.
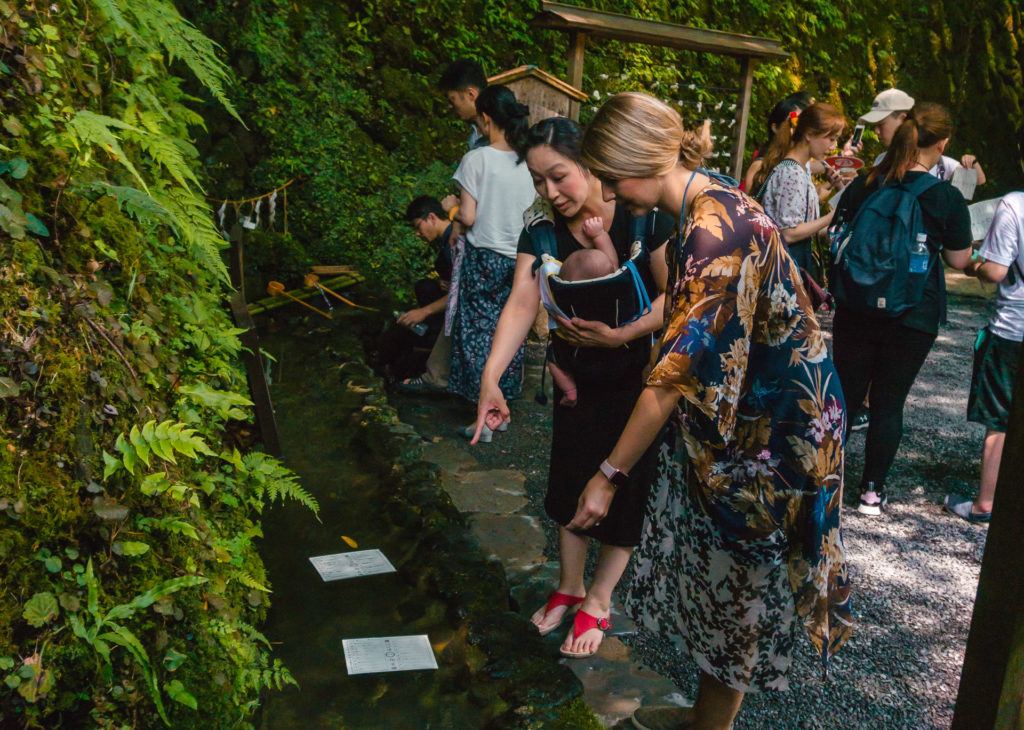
{"points": [[583, 23]]}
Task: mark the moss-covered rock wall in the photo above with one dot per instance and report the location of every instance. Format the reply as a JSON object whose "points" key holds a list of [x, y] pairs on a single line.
{"points": [[130, 498]]}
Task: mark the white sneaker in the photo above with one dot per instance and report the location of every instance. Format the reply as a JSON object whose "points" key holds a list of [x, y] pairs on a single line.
{"points": [[486, 434]]}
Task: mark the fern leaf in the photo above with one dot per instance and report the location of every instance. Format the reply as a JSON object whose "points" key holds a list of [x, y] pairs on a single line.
{"points": [[90, 128], [163, 150], [193, 221], [183, 41]]}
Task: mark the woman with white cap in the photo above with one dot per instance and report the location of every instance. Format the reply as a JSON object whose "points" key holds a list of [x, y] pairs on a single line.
{"points": [[888, 111]]}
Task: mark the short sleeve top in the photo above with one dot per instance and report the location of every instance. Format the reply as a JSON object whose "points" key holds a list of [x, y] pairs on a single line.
{"points": [[1004, 245], [503, 189], [789, 195]]}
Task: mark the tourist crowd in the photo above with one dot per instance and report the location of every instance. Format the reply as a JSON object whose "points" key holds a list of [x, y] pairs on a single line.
{"points": [[699, 419]]}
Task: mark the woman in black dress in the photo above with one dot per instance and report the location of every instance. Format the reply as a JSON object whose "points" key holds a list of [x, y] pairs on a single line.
{"points": [[582, 434]]}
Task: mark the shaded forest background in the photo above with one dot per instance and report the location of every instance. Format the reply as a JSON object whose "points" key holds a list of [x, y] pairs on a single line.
{"points": [[343, 94]]}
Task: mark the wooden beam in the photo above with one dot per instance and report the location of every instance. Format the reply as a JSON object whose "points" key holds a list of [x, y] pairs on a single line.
{"points": [[614, 26], [992, 681], [577, 47], [742, 116]]}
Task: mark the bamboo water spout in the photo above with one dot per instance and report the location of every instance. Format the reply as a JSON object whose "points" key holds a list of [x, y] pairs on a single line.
{"points": [[276, 288], [312, 280]]}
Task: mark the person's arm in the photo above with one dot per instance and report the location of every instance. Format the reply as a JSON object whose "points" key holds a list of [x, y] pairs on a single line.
{"points": [[650, 413], [748, 180], [988, 271], [517, 316], [956, 236], [803, 231], [957, 259], [415, 316], [467, 209]]}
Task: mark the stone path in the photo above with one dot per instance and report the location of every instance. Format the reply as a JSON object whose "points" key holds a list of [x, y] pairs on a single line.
{"points": [[915, 570], [492, 484]]}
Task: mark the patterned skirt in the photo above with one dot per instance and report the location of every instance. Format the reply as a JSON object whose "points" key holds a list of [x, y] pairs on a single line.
{"points": [[725, 604], [485, 282]]}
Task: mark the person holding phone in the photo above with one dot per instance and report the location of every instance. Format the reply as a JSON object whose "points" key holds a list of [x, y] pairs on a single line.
{"points": [[888, 112]]}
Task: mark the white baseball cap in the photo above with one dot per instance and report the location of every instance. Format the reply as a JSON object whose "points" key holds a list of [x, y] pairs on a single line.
{"points": [[889, 101]]}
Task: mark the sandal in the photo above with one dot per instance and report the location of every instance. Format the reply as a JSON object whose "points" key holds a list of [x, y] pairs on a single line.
{"points": [[581, 624], [555, 600], [418, 385]]}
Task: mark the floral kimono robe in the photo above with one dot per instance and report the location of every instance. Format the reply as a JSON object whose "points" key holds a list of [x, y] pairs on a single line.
{"points": [[742, 538]]}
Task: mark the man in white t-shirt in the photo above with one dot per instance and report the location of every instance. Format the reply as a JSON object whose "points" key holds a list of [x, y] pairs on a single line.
{"points": [[888, 111], [997, 350]]}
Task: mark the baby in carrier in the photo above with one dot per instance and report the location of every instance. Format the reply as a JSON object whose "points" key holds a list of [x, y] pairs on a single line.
{"points": [[587, 263]]}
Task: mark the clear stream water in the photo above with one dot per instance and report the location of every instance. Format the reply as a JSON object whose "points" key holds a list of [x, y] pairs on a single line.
{"points": [[309, 618]]}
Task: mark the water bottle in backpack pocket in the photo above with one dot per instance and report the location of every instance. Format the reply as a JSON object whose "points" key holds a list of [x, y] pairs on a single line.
{"points": [[881, 260]]}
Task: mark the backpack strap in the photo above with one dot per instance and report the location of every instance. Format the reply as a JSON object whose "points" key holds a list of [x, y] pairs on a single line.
{"points": [[922, 185]]}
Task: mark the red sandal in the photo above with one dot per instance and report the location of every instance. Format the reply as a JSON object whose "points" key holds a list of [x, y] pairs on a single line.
{"points": [[555, 600], [581, 624]]}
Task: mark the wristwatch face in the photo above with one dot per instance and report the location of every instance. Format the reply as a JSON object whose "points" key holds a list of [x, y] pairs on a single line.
{"points": [[616, 477]]}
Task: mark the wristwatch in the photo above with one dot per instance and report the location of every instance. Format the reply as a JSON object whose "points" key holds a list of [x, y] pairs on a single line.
{"points": [[617, 477]]}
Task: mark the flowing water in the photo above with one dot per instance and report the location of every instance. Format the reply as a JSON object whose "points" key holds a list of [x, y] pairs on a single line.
{"points": [[309, 618]]}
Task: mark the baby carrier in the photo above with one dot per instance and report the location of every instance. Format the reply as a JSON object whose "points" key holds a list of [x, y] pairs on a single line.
{"points": [[615, 299]]}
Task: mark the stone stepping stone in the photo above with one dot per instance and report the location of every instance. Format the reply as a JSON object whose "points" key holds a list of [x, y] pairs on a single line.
{"points": [[497, 491], [449, 457], [517, 541]]}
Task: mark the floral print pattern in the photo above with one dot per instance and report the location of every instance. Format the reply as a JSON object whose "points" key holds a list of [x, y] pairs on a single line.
{"points": [[762, 420], [485, 283]]}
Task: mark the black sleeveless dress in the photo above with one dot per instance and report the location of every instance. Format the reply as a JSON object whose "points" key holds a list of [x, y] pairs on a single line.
{"points": [[584, 435]]}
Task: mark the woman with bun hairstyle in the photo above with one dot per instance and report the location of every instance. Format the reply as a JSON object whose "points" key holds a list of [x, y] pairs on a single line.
{"points": [[582, 435], [741, 545], [495, 189], [880, 356], [785, 187]]}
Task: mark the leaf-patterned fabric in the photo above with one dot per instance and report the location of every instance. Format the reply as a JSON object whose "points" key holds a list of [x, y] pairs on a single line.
{"points": [[762, 419]]}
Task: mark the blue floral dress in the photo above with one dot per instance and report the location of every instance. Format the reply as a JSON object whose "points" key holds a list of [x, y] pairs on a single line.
{"points": [[742, 542]]}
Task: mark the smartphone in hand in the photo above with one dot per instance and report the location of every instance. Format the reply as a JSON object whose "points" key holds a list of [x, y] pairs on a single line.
{"points": [[858, 133]]}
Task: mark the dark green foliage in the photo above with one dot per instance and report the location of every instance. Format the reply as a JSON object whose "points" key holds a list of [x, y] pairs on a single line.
{"points": [[131, 582], [343, 93]]}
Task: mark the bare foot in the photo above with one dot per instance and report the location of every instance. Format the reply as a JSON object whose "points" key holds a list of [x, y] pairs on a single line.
{"points": [[589, 641], [547, 621]]}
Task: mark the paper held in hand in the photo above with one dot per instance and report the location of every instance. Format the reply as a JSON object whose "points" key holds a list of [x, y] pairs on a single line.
{"points": [[981, 217], [388, 654], [965, 181], [351, 565]]}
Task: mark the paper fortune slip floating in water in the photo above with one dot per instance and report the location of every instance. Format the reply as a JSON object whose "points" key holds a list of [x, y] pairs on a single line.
{"points": [[351, 565], [388, 654]]}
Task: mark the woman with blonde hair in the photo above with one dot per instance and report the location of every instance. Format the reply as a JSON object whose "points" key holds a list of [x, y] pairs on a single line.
{"points": [[741, 544], [785, 186]]}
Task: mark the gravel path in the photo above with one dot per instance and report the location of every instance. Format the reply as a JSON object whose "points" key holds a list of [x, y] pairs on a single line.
{"points": [[915, 569]]}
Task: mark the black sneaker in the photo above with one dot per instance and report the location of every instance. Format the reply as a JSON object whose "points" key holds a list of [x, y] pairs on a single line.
{"points": [[872, 499], [861, 421]]}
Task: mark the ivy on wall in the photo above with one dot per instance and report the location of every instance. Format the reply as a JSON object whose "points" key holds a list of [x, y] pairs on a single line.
{"points": [[129, 497], [344, 94]]}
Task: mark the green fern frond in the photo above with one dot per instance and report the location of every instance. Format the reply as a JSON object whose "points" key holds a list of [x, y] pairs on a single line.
{"points": [[89, 128], [194, 224], [183, 41], [110, 10], [139, 204], [271, 478], [160, 440], [163, 151], [247, 580]]}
